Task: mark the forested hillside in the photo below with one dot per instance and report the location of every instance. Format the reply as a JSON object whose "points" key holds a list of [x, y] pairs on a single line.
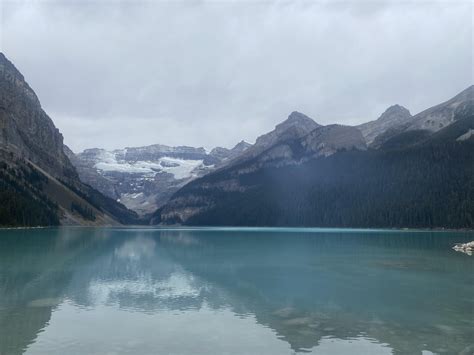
{"points": [[418, 182], [22, 201]]}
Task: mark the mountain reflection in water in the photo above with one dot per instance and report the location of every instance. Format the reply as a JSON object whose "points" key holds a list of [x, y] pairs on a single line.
{"points": [[234, 291]]}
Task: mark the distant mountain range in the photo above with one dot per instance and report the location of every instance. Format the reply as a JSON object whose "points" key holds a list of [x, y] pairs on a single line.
{"points": [[144, 178], [397, 171]]}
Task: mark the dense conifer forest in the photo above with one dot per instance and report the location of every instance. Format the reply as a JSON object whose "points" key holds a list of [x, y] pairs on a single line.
{"points": [[21, 201]]}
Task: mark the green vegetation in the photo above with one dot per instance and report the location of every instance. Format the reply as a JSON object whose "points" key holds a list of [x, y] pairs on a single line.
{"points": [[24, 198], [21, 201], [84, 211]]}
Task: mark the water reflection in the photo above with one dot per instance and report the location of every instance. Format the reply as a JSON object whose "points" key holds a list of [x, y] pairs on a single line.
{"points": [[77, 290]]}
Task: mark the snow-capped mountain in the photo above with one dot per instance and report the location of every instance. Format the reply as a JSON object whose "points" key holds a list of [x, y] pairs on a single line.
{"points": [[144, 178]]}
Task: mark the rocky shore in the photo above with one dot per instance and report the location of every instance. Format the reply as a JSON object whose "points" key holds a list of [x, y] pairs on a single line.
{"points": [[467, 248]]}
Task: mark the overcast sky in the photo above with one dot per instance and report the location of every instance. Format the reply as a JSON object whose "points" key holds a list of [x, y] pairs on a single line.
{"points": [[113, 74]]}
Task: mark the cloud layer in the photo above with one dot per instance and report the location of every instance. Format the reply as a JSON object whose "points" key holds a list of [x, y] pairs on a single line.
{"points": [[114, 74]]}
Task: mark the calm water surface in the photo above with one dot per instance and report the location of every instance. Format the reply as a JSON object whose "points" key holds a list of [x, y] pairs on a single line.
{"points": [[234, 291]]}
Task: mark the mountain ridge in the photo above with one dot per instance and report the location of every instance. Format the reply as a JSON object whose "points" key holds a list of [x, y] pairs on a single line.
{"points": [[238, 194]]}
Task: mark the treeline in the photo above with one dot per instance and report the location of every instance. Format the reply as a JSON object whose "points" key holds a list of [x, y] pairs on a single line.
{"points": [[21, 201], [424, 186], [84, 211]]}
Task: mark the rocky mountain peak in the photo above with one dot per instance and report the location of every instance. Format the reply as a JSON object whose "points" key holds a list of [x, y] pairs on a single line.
{"points": [[395, 115], [395, 112], [241, 146], [295, 115], [295, 126], [297, 119], [220, 155]]}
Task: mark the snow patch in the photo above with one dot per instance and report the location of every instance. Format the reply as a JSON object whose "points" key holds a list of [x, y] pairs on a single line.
{"points": [[180, 168]]}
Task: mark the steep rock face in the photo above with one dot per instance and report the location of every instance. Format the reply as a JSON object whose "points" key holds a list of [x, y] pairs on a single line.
{"points": [[91, 176], [36, 169], [330, 139], [394, 116], [25, 128]]}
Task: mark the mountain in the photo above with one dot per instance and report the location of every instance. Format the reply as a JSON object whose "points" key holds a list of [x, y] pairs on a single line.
{"points": [[442, 115], [295, 126], [224, 154], [279, 148], [328, 178], [432, 119], [38, 183], [144, 178], [394, 116]]}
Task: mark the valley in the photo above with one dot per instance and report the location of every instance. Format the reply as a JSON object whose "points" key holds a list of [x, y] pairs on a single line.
{"points": [[400, 170]]}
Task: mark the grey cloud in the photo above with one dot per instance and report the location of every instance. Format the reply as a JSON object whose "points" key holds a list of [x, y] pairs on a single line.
{"points": [[114, 74]]}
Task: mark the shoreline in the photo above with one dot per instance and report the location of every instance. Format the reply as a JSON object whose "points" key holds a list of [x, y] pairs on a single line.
{"points": [[183, 227]]}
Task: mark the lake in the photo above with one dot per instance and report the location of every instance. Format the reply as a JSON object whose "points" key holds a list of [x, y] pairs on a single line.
{"points": [[234, 291]]}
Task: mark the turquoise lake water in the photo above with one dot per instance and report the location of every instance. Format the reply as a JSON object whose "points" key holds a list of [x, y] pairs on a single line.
{"points": [[234, 291]]}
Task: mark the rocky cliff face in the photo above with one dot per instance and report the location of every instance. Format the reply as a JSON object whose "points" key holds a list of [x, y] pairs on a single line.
{"points": [[328, 140], [25, 129], [36, 168]]}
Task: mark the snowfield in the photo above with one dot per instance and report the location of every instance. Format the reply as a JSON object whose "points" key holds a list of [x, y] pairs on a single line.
{"points": [[180, 168]]}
